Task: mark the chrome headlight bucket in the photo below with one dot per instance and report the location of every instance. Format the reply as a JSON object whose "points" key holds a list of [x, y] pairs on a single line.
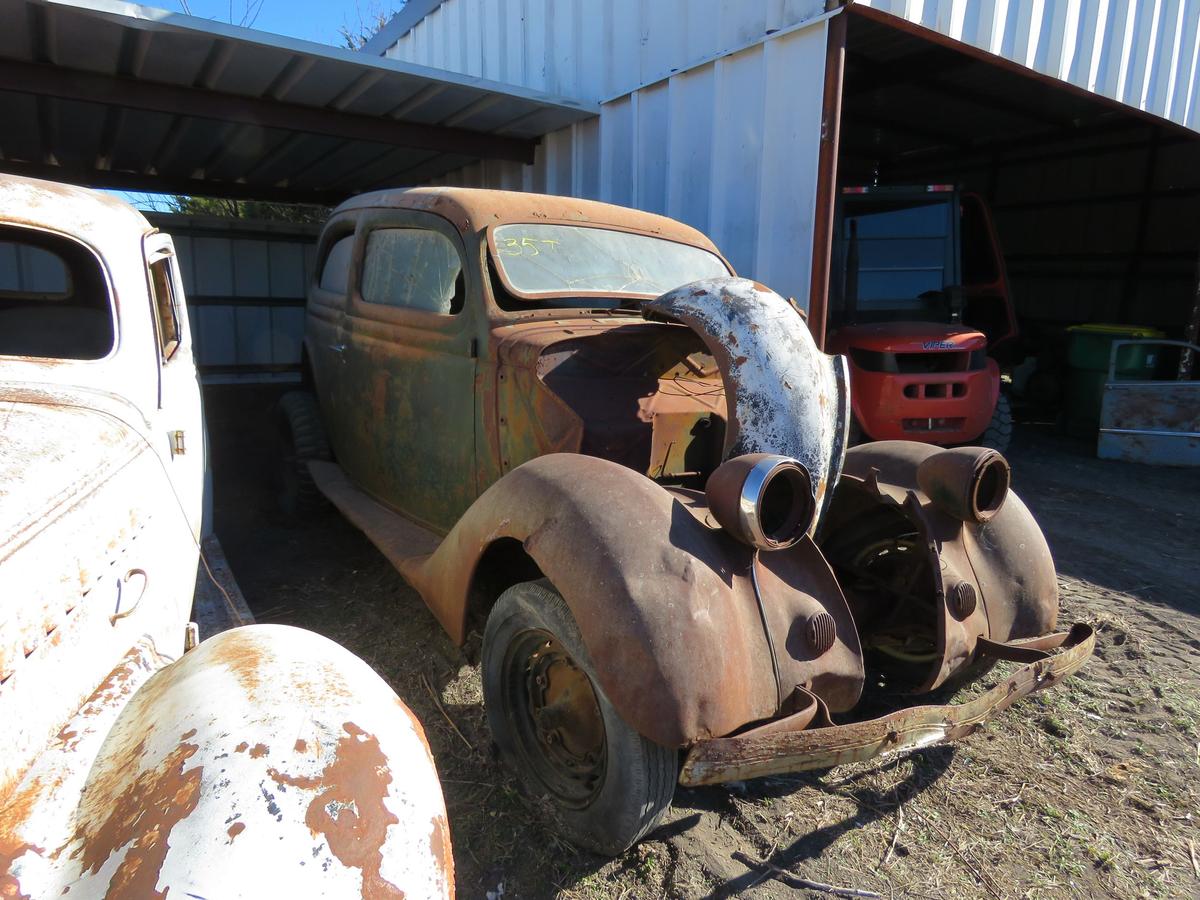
{"points": [[762, 499]]}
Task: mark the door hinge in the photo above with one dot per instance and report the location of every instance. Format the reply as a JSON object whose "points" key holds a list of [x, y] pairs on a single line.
{"points": [[178, 447]]}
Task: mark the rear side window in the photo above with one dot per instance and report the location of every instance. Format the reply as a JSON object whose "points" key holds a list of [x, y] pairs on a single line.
{"points": [[335, 274], [412, 268], [54, 298], [163, 285]]}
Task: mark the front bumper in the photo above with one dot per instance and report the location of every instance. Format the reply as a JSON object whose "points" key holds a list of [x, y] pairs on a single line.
{"points": [[791, 745]]}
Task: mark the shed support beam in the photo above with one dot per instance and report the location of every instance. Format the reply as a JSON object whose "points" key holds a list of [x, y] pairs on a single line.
{"points": [[155, 184], [827, 171], [91, 87]]}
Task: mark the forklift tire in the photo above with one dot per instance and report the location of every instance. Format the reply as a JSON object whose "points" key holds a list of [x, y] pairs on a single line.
{"points": [[999, 431], [300, 438], [856, 435]]}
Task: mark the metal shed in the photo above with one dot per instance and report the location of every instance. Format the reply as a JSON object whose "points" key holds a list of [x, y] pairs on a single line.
{"points": [[1078, 120]]}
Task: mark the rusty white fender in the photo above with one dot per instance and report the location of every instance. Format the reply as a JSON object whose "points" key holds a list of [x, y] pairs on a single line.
{"points": [[268, 761], [785, 396]]}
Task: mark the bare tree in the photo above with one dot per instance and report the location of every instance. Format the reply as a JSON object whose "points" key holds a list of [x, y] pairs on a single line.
{"points": [[369, 21], [249, 14]]}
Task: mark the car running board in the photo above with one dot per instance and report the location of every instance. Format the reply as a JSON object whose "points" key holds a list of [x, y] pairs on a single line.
{"points": [[400, 540]]}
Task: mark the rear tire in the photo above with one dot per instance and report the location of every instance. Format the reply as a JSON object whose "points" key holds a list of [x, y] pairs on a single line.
{"points": [[301, 437], [604, 783], [999, 431]]}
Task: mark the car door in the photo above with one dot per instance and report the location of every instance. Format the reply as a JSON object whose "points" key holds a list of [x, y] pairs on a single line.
{"points": [[408, 382], [325, 323], [179, 415]]}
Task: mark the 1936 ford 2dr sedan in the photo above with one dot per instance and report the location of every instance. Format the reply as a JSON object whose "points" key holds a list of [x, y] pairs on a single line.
{"points": [[573, 430]]}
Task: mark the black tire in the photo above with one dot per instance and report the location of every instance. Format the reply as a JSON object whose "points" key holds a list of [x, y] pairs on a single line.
{"points": [[604, 783], [999, 431], [301, 437]]}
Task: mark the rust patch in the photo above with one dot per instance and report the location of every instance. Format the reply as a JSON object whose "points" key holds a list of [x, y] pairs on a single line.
{"points": [[142, 817], [235, 829], [439, 842], [258, 751], [304, 782], [241, 748], [10, 888], [350, 810], [301, 746], [12, 815], [243, 657]]}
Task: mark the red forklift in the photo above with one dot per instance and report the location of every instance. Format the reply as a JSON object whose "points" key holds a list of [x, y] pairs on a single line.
{"points": [[920, 305]]}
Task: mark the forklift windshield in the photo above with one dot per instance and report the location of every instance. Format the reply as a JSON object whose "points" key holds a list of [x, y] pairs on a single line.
{"points": [[896, 254]]}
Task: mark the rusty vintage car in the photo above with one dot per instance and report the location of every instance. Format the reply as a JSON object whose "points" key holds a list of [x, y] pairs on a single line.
{"points": [[574, 431], [264, 761]]}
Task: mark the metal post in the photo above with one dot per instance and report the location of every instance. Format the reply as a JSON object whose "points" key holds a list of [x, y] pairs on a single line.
{"points": [[831, 120]]}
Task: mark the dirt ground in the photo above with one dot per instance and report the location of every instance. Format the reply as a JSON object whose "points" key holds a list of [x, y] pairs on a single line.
{"points": [[1090, 789]]}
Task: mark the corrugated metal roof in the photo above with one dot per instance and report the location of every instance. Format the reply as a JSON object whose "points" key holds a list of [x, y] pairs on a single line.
{"points": [[1143, 53], [118, 95], [968, 107]]}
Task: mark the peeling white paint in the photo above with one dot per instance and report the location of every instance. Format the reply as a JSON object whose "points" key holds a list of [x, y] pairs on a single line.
{"points": [[785, 395]]}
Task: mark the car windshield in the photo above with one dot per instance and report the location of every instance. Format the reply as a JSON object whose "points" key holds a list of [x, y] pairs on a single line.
{"points": [[539, 261]]}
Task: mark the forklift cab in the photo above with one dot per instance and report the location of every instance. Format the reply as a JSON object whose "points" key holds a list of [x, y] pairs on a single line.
{"points": [[924, 253]]}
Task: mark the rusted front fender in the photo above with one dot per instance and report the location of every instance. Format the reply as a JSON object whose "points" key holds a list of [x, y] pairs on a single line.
{"points": [[266, 762], [692, 634], [990, 580]]}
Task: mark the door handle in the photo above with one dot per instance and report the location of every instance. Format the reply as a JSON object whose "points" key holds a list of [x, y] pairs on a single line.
{"points": [[338, 348], [127, 599]]}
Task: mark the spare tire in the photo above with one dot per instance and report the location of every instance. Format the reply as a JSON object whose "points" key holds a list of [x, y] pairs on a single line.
{"points": [[300, 437]]}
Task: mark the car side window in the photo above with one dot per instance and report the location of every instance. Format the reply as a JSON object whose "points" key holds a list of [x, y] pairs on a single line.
{"points": [[54, 298], [162, 286], [412, 268], [335, 274]]}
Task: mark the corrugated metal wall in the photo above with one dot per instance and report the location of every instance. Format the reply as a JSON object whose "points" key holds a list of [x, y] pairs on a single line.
{"points": [[710, 114], [729, 146], [246, 284], [591, 49], [1144, 53]]}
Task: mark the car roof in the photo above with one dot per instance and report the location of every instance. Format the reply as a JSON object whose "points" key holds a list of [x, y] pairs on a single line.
{"points": [[98, 219], [474, 209]]}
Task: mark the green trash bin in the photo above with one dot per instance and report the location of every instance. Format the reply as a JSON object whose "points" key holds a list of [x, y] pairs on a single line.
{"points": [[1089, 348]]}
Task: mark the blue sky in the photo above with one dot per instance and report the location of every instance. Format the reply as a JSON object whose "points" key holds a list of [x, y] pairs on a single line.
{"points": [[312, 20]]}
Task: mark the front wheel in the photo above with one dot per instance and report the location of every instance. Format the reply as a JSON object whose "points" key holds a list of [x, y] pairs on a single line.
{"points": [[605, 783]]}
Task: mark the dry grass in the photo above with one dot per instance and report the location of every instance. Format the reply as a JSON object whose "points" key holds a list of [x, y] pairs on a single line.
{"points": [[1087, 790]]}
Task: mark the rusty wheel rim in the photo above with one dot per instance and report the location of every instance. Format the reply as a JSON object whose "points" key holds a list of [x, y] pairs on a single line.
{"points": [[555, 718]]}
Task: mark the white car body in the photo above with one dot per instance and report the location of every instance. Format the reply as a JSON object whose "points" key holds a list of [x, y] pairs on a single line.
{"points": [[267, 760]]}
